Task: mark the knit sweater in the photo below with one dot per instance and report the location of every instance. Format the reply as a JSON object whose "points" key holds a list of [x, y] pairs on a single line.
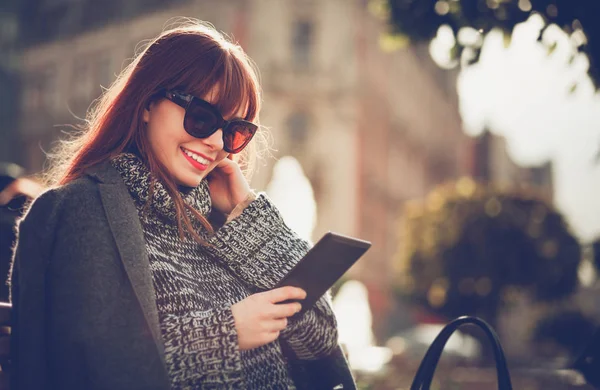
{"points": [[196, 285]]}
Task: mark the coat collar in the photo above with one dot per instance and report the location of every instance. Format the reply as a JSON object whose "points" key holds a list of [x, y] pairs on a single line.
{"points": [[129, 238], [105, 173]]}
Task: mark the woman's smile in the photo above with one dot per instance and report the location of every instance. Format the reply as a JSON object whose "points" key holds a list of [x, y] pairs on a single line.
{"points": [[197, 160]]}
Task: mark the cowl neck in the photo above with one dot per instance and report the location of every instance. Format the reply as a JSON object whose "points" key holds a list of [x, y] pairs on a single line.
{"points": [[139, 181]]}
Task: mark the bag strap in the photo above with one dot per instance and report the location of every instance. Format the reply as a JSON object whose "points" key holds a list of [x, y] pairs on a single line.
{"points": [[429, 363]]}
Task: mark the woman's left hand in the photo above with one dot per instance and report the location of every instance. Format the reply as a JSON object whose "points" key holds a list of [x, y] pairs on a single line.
{"points": [[228, 186]]}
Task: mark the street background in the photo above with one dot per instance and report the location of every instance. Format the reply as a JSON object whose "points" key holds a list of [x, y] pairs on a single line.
{"points": [[464, 146]]}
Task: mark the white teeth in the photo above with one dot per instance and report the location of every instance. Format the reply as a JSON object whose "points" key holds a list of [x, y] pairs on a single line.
{"points": [[201, 160]]}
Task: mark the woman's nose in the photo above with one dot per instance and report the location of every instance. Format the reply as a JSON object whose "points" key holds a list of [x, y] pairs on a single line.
{"points": [[215, 140]]}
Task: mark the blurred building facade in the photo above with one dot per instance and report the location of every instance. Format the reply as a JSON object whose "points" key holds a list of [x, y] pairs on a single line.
{"points": [[370, 128], [9, 86]]}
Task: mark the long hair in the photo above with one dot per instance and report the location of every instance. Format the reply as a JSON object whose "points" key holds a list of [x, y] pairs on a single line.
{"points": [[192, 57]]}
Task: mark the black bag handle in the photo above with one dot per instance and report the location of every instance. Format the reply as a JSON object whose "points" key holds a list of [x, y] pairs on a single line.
{"points": [[429, 363]]}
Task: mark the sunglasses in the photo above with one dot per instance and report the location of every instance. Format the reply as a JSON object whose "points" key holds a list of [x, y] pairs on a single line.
{"points": [[202, 119]]}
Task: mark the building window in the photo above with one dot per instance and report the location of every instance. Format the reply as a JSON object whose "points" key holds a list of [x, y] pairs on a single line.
{"points": [[41, 93], [97, 13], [91, 72], [541, 176], [302, 43], [32, 97], [103, 72], [483, 155], [297, 125], [82, 81]]}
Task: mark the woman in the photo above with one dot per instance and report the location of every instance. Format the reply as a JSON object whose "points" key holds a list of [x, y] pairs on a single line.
{"points": [[151, 264]]}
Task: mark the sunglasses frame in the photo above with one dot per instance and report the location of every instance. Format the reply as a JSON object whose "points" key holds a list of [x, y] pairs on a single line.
{"points": [[186, 100]]}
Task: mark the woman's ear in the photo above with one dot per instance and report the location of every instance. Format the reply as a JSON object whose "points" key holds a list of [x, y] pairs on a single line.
{"points": [[146, 114]]}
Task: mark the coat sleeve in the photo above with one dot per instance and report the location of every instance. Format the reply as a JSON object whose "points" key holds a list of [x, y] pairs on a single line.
{"points": [[28, 292], [261, 249]]}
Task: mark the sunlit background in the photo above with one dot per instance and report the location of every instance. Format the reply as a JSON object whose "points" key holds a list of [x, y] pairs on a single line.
{"points": [[452, 170]]}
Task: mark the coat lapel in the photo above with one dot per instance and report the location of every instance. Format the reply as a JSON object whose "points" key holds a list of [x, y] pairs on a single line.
{"points": [[129, 238]]}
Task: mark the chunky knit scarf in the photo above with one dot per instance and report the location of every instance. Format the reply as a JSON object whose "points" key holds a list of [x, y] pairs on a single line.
{"points": [[196, 285]]}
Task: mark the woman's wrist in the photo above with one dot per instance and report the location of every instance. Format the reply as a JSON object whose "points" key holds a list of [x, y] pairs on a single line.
{"points": [[239, 208]]}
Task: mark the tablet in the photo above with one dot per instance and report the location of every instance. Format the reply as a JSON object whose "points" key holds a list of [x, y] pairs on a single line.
{"points": [[323, 265]]}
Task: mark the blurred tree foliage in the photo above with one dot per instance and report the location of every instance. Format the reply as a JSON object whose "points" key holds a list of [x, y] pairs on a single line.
{"points": [[470, 248], [419, 20], [566, 333]]}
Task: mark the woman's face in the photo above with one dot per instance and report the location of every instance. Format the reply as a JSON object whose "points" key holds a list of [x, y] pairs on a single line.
{"points": [[188, 159]]}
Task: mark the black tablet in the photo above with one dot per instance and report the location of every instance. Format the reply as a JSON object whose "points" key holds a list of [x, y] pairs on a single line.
{"points": [[323, 265]]}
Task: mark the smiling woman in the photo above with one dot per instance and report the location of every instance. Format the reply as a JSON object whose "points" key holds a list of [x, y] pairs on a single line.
{"points": [[151, 264]]}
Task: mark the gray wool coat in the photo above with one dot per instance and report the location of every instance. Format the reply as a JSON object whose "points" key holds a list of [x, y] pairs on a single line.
{"points": [[84, 310]]}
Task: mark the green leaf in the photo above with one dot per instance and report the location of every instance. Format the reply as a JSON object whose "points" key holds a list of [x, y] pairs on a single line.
{"points": [[392, 42]]}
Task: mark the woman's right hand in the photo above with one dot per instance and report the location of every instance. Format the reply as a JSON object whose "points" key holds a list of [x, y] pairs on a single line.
{"points": [[259, 318]]}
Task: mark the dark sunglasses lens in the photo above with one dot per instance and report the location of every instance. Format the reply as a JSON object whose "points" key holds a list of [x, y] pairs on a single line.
{"points": [[237, 136], [199, 121]]}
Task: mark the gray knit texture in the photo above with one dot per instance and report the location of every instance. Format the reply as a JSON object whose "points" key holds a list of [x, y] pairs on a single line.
{"points": [[196, 286]]}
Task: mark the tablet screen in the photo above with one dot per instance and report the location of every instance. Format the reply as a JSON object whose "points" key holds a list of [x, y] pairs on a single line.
{"points": [[323, 265]]}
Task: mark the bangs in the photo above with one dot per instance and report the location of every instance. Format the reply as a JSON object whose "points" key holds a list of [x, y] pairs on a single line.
{"points": [[235, 83]]}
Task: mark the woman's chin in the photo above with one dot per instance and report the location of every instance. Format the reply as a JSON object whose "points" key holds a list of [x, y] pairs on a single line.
{"points": [[189, 180], [189, 176]]}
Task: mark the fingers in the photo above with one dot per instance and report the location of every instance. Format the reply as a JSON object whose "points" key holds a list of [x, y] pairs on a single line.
{"points": [[259, 318], [223, 163], [286, 310], [272, 337], [227, 166], [285, 293], [277, 325]]}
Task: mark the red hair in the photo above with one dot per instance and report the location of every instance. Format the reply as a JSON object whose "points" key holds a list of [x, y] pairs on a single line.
{"points": [[193, 58]]}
